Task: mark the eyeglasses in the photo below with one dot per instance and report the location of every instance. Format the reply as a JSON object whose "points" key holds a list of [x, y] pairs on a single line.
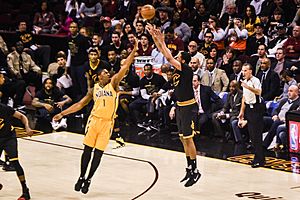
{"points": [[192, 45], [208, 36], [264, 63], [210, 63]]}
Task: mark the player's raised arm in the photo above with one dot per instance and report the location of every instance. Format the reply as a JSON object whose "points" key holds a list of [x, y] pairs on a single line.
{"points": [[75, 107], [159, 40], [125, 64]]}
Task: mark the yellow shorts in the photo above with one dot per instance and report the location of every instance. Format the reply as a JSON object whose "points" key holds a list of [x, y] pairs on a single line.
{"points": [[98, 132]]}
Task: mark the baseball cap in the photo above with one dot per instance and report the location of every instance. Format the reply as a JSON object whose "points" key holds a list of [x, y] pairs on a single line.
{"points": [[280, 26], [106, 19]]}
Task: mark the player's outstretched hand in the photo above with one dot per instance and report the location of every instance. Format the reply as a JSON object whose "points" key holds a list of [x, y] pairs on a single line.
{"points": [[29, 131], [57, 117]]}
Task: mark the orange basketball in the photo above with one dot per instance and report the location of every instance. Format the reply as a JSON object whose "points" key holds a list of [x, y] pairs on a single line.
{"points": [[148, 11]]}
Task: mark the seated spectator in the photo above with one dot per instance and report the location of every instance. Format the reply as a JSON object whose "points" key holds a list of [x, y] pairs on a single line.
{"points": [[11, 88], [116, 43], [43, 20], [198, 15], [196, 67], [229, 14], [180, 8], [228, 115], [250, 19], [236, 35], [164, 14], [61, 61], [105, 29], [39, 53], [145, 48], [181, 29], [292, 45], [214, 77], [278, 116], [237, 72], [281, 138], [159, 58], [213, 26], [193, 51], [281, 63], [207, 101], [127, 28], [256, 39], [278, 40], [129, 91], [256, 59], [114, 61], [166, 101], [89, 11], [174, 43], [288, 80], [139, 29], [270, 82], [276, 19], [150, 85], [208, 45], [126, 10], [225, 63], [22, 67], [49, 101]]}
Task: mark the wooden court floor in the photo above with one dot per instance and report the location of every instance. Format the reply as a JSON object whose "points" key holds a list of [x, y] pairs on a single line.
{"points": [[51, 164]]}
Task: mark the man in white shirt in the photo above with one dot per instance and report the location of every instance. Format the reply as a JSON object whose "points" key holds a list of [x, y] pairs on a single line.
{"points": [[253, 110]]}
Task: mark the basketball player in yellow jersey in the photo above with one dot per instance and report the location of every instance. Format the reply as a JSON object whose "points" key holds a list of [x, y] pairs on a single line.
{"points": [[101, 120]]}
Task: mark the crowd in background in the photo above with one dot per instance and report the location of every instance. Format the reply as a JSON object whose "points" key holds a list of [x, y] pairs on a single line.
{"points": [[219, 35]]}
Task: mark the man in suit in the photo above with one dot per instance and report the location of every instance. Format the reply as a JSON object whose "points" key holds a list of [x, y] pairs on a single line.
{"points": [[237, 71], [208, 102], [278, 116], [230, 111], [269, 79], [256, 59], [214, 77]]}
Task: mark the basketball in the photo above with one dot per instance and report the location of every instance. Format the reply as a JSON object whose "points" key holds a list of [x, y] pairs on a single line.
{"points": [[148, 11]]}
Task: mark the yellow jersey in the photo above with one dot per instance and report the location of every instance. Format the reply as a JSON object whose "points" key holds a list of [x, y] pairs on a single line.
{"points": [[105, 101]]}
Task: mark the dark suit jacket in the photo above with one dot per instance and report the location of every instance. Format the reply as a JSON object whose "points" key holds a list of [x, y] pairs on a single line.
{"points": [[253, 60], [210, 102], [294, 106], [286, 64], [231, 106], [270, 85]]}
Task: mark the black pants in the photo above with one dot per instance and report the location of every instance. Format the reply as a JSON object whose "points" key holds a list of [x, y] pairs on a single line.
{"points": [[254, 115], [14, 88], [41, 56]]}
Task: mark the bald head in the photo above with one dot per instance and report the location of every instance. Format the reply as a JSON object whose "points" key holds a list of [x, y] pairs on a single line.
{"points": [[194, 64], [233, 86], [293, 92]]}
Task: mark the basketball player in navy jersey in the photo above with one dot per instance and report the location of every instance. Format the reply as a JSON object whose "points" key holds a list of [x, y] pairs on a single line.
{"points": [[186, 105]]}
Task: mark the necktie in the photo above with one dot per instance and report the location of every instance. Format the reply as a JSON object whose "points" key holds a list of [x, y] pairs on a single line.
{"points": [[210, 79], [21, 65], [263, 77], [197, 97], [236, 77]]}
